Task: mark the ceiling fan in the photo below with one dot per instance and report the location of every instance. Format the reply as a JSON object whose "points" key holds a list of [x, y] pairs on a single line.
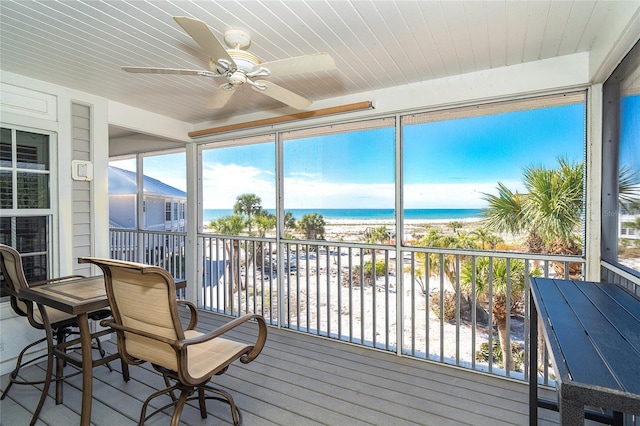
{"points": [[239, 66]]}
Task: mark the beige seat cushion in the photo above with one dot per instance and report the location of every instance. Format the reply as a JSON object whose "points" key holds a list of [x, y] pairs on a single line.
{"points": [[208, 356]]}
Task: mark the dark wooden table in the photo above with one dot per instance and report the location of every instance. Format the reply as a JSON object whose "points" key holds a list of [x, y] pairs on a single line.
{"points": [[78, 297], [592, 331]]}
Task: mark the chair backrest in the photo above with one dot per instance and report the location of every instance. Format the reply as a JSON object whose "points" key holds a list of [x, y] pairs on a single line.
{"points": [[142, 297], [13, 273]]}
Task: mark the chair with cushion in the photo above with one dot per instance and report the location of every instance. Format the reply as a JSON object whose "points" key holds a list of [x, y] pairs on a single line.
{"points": [[149, 329], [61, 325]]}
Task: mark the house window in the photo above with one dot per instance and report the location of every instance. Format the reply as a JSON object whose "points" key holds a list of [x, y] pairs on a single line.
{"points": [[25, 197], [167, 209]]}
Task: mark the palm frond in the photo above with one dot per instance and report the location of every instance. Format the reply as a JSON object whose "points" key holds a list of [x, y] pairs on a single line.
{"points": [[505, 212], [628, 185]]}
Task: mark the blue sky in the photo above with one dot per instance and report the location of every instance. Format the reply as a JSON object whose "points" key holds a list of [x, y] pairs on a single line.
{"points": [[630, 132], [447, 164]]}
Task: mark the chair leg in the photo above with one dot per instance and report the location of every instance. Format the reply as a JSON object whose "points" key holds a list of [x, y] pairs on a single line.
{"points": [[168, 385], [143, 412], [102, 352], [201, 401], [61, 336], [125, 370], [13, 377], [227, 396], [47, 382], [175, 419]]}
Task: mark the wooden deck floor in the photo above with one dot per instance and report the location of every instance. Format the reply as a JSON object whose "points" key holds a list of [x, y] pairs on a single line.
{"points": [[299, 380]]}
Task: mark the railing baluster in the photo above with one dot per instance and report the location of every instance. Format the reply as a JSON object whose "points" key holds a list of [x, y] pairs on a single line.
{"points": [[457, 309], [374, 303], [387, 307], [506, 357], [490, 327], [339, 283]]}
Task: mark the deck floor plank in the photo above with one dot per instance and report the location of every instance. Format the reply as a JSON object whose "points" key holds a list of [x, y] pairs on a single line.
{"points": [[298, 380]]}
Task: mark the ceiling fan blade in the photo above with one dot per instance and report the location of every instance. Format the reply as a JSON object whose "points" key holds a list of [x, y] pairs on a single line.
{"points": [[202, 34], [221, 96], [281, 94], [300, 64], [179, 71]]}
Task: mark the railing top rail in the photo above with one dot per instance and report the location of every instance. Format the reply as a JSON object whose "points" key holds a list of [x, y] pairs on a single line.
{"points": [[370, 246], [147, 231]]}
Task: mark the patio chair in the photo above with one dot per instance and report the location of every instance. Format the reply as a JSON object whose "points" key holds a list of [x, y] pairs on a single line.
{"points": [[62, 325], [149, 329]]}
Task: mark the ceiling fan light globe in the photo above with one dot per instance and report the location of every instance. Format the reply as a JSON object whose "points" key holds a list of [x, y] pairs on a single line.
{"points": [[237, 78], [244, 60]]}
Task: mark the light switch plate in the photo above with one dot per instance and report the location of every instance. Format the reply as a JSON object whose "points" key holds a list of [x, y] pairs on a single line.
{"points": [[82, 170]]}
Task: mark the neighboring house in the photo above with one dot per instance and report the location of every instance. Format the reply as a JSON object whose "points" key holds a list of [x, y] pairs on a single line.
{"points": [[628, 222], [163, 206]]}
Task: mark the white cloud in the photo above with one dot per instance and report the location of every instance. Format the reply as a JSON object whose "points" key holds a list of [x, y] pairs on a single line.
{"points": [[303, 193], [460, 196], [222, 184]]}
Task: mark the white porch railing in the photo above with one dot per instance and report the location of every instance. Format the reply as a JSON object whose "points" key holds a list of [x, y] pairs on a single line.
{"points": [[415, 301]]}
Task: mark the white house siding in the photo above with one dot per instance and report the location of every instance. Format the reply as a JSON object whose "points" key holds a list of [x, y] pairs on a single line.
{"points": [[81, 150], [155, 213]]}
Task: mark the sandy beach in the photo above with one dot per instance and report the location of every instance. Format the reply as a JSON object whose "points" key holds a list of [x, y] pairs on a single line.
{"points": [[355, 230]]}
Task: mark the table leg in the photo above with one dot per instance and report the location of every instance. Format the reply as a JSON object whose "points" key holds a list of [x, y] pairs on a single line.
{"points": [[571, 413], [533, 363], [87, 368]]}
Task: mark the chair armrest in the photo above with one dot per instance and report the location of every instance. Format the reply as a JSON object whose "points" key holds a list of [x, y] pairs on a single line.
{"points": [[257, 347], [53, 280], [194, 313], [118, 327]]}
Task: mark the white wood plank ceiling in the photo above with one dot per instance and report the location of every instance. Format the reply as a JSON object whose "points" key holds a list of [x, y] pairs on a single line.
{"points": [[376, 44]]}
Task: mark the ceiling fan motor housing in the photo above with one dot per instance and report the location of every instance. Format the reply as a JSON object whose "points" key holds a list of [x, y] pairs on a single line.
{"points": [[244, 60]]}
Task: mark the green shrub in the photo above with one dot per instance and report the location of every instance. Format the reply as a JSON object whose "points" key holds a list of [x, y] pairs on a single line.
{"points": [[449, 305], [517, 352]]}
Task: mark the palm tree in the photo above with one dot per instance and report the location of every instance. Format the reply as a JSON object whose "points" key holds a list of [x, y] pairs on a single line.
{"points": [[312, 224], [505, 212], [455, 225], [555, 203], [231, 225], [503, 302], [289, 221], [434, 238], [377, 235], [248, 205], [264, 221], [550, 212], [486, 237]]}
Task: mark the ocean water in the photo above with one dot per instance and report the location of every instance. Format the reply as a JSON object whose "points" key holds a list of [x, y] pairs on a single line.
{"points": [[365, 214]]}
